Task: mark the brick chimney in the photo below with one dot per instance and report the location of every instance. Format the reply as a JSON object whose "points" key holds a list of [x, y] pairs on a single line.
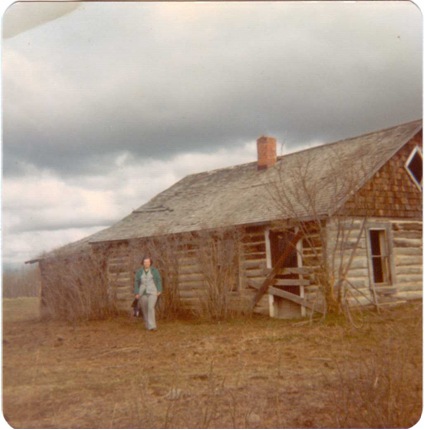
{"points": [[266, 150]]}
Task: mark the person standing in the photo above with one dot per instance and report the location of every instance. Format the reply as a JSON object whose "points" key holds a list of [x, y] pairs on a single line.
{"points": [[147, 287]]}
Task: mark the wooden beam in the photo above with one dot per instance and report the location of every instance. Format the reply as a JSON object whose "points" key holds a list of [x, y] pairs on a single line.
{"points": [[295, 271], [291, 282], [254, 285], [279, 264], [293, 298]]}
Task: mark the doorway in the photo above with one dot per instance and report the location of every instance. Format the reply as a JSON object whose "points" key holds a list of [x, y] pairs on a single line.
{"points": [[284, 308]]}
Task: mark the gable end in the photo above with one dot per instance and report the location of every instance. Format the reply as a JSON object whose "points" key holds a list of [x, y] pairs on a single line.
{"points": [[391, 192]]}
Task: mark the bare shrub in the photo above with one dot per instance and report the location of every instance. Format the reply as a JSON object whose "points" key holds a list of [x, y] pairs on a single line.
{"points": [[380, 392], [76, 288], [21, 283], [218, 257], [330, 232], [211, 254]]}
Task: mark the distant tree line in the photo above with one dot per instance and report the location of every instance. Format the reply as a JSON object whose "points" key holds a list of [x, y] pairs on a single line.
{"points": [[24, 282]]}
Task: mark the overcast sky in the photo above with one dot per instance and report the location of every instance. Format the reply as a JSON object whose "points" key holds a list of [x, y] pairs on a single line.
{"points": [[107, 104]]}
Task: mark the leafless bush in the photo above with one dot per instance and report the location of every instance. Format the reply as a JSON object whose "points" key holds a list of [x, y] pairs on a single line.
{"points": [[21, 283], [75, 288], [382, 392], [330, 232], [218, 259], [213, 255]]}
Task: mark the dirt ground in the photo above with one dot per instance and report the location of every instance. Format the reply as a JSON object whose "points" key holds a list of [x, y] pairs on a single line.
{"points": [[245, 373]]}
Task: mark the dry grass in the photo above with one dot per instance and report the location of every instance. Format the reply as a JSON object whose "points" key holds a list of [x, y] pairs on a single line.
{"points": [[244, 373]]}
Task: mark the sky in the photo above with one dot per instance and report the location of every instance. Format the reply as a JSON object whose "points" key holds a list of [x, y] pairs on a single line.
{"points": [[106, 104]]}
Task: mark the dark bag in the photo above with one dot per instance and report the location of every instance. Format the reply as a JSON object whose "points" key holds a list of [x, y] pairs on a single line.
{"points": [[135, 306]]}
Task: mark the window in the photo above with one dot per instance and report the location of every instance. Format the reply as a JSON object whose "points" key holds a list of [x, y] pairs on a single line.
{"points": [[380, 256], [414, 166]]}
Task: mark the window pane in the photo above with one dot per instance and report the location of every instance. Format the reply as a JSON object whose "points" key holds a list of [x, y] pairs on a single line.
{"points": [[378, 272], [375, 242], [415, 167], [379, 257]]}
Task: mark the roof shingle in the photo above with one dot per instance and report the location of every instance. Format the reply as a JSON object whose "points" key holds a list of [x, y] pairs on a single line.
{"points": [[242, 194]]}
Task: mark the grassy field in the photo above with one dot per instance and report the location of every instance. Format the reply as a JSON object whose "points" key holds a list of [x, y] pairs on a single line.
{"points": [[245, 373]]}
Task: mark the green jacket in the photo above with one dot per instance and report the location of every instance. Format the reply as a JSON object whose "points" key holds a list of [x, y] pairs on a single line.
{"points": [[156, 279]]}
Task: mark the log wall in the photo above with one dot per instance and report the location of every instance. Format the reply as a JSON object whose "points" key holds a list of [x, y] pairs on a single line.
{"points": [[347, 252], [351, 249], [191, 268], [120, 275], [408, 255], [190, 276], [405, 260]]}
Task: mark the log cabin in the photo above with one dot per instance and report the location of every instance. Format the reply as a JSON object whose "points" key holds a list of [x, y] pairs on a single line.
{"points": [[284, 236]]}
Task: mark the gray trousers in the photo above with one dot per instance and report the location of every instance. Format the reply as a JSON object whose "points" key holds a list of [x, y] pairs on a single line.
{"points": [[147, 303]]}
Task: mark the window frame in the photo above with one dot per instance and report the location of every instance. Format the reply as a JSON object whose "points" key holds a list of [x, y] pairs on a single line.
{"points": [[415, 151], [386, 256]]}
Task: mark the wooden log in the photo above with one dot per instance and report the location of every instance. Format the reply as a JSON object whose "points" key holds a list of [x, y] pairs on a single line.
{"points": [[191, 284], [361, 300], [121, 281], [124, 296], [257, 273], [412, 235], [410, 295], [411, 286], [260, 263], [291, 282], [189, 269], [358, 284], [305, 271], [407, 279], [190, 277], [254, 285], [417, 226], [387, 290], [408, 251], [407, 243], [408, 270], [292, 297], [190, 293], [358, 273], [408, 261]]}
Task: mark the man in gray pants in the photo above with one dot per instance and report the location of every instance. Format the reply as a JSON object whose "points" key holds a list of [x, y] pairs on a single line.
{"points": [[147, 287]]}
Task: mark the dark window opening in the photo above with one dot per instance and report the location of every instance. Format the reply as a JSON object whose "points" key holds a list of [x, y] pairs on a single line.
{"points": [[414, 167], [380, 257]]}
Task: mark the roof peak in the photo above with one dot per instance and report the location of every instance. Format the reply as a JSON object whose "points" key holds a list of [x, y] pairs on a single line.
{"points": [[315, 147]]}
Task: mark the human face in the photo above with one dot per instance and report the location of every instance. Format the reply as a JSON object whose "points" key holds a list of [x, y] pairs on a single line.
{"points": [[147, 263]]}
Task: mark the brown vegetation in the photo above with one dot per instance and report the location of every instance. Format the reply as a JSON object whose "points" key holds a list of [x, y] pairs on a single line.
{"points": [[244, 373], [75, 288], [21, 283]]}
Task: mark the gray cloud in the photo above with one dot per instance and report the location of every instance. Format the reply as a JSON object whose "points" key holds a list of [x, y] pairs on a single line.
{"points": [[212, 76]]}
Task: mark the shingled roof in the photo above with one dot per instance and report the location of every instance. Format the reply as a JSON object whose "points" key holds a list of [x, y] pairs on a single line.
{"points": [[243, 194]]}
